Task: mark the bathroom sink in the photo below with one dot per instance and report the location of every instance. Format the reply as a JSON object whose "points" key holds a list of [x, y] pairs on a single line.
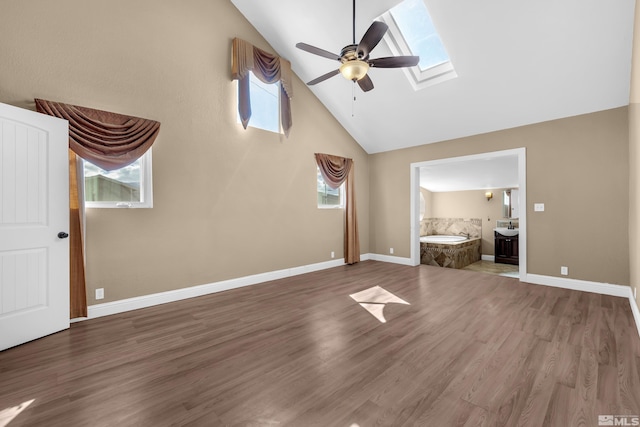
{"points": [[509, 232]]}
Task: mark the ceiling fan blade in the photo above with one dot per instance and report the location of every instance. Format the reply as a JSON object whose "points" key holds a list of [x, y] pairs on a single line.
{"points": [[371, 38], [318, 51], [365, 83], [394, 61], [323, 77]]}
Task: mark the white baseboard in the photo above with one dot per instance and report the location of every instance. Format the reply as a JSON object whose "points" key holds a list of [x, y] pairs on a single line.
{"points": [[634, 309], [578, 285], [115, 307], [121, 306], [135, 303], [390, 259], [491, 258], [586, 286]]}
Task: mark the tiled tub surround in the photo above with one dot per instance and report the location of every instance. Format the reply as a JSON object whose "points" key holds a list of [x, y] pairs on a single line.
{"points": [[451, 227], [451, 255]]}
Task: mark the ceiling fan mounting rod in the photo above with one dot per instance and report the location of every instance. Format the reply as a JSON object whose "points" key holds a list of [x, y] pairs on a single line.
{"points": [[354, 21]]}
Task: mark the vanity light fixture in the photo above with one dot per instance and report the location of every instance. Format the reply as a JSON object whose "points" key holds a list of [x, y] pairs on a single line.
{"points": [[488, 195]]}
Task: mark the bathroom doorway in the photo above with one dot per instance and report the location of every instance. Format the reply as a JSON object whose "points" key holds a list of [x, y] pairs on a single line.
{"points": [[468, 170]]}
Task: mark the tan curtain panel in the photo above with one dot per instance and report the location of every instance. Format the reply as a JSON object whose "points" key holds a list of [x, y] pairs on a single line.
{"points": [[336, 170], [108, 140], [77, 282], [268, 68]]}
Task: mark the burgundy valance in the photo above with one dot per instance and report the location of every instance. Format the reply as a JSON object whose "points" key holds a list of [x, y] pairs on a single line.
{"points": [[108, 140], [268, 68]]}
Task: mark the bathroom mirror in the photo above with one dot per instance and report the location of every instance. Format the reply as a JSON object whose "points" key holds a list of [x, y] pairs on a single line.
{"points": [[510, 205]]}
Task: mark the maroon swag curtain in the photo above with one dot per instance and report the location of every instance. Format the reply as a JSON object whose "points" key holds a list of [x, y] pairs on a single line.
{"points": [[108, 140], [336, 170], [267, 67]]}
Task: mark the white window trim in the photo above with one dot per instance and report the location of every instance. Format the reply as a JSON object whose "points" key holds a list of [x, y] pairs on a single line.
{"points": [[146, 188], [399, 47]]}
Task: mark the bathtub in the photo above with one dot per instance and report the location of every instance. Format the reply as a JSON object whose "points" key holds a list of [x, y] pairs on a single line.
{"points": [[449, 250], [442, 239]]}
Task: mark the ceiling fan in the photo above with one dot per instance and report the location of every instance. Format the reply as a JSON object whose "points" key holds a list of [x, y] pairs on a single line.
{"points": [[355, 57]]}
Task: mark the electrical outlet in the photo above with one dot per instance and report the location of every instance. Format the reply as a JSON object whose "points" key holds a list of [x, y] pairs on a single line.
{"points": [[391, 251], [100, 293], [564, 270], [333, 254], [538, 207]]}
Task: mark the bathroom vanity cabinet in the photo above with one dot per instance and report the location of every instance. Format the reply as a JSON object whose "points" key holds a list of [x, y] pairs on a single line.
{"points": [[506, 249]]}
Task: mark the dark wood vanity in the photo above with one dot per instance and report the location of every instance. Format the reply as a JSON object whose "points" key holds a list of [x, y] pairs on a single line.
{"points": [[506, 249]]}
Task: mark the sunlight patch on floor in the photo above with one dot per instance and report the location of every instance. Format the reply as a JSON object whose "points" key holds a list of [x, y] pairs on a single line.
{"points": [[7, 415], [374, 300]]}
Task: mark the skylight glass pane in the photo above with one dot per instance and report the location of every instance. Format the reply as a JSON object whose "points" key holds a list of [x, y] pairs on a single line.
{"points": [[417, 29]]}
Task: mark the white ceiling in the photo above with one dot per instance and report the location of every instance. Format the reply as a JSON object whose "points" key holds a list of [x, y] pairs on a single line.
{"points": [[478, 174], [518, 62]]}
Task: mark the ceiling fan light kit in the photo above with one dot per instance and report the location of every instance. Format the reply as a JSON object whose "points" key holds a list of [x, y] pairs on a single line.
{"points": [[354, 70], [355, 57]]}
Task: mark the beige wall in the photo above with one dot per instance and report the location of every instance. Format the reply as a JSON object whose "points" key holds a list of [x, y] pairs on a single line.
{"points": [[577, 166], [634, 160], [471, 204], [227, 202], [222, 206]]}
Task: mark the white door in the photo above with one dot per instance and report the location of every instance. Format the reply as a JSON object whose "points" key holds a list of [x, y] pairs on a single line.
{"points": [[34, 208]]}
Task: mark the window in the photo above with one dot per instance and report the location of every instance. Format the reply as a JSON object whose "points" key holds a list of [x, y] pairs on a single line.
{"points": [[412, 32], [265, 105], [127, 187], [329, 198]]}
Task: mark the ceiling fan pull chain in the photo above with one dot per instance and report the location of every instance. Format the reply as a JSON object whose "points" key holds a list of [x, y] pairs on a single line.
{"points": [[353, 101]]}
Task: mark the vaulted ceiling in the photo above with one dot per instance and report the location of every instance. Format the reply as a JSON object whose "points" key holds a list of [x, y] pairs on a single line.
{"points": [[518, 62]]}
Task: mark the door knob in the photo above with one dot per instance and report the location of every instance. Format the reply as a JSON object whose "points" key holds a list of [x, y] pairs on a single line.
{"points": [[63, 235]]}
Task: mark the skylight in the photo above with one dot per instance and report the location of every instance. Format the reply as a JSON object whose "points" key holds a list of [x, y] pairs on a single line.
{"points": [[412, 32], [414, 21]]}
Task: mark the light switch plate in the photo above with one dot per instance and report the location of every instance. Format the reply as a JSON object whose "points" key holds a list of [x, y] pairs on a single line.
{"points": [[538, 207]]}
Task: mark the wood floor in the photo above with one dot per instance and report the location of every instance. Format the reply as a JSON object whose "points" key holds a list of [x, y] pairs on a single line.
{"points": [[491, 267], [471, 349]]}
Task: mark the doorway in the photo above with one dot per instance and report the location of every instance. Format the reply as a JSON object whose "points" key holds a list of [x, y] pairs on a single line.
{"points": [[456, 162]]}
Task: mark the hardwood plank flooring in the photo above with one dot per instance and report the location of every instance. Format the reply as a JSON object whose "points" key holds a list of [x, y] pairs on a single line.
{"points": [[490, 267], [470, 350]]}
